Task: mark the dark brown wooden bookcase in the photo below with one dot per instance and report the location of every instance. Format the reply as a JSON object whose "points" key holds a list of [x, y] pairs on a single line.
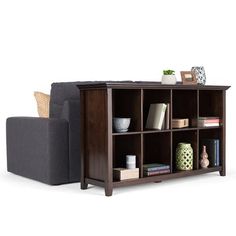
{"points": [[102, 149]]}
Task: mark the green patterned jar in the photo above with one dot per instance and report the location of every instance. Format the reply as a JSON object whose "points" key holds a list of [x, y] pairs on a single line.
{"points": [[184, 156]]}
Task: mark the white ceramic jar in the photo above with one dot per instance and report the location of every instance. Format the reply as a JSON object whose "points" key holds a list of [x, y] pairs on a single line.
{"points": [[130, 161]]}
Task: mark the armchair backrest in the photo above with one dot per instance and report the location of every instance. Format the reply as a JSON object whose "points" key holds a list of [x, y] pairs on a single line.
{"points": [[61, 92], [65, 104]]}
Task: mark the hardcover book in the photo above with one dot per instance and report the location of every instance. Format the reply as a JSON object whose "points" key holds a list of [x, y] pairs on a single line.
{"points": [[157, 172], [155, 166], [207, 121], [167, 116], [156, 116]]}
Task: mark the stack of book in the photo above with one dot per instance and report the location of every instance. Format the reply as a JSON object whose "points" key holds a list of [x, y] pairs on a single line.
{"points": [[158, 116], [155, 169], [213, 151], [208, 121]]}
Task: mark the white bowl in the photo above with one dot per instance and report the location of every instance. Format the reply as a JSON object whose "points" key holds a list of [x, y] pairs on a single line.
{"points": [[121, 125]]}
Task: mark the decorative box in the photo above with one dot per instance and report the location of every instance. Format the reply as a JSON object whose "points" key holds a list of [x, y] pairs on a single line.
{"points": [[180, 123], [123, 173]]}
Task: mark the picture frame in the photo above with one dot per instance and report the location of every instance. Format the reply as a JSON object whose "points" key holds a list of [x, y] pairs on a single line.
{"points": [[188, 78]]}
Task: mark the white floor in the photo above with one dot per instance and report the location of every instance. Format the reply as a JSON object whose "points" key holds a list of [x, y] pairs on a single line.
{"points": [[194, 205]]}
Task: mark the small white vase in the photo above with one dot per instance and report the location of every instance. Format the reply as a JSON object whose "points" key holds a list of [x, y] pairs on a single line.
{"points": [[168, 79]]}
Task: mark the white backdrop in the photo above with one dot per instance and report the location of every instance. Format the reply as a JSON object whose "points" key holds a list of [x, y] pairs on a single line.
{"points": [[46, 41]]}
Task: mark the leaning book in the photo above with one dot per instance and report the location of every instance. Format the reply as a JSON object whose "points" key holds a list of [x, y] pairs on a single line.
{"points": [[156, 116]]}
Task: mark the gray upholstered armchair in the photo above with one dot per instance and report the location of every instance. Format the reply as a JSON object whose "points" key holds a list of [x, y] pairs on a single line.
{"points": [[47, 149]]}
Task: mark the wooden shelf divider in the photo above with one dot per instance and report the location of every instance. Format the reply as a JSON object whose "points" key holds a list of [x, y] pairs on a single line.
{"points": [[103, 149]]}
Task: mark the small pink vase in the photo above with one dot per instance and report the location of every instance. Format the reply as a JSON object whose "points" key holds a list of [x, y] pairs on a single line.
{"points": [[204, 162]]}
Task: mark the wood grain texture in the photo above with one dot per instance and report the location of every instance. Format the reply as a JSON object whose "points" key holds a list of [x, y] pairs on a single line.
{"points": [[83, 184], [223, 138], [102, 149], [160, 178], [149, 85], [95, 134]]}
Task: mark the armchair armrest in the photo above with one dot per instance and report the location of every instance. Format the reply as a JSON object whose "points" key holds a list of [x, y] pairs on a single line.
{"points": [[37, 148], [71, 113]]}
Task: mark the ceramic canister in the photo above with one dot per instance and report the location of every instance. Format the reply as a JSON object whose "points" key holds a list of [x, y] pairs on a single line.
{"points": [[184, 156], [130, 161], [200, 74]]}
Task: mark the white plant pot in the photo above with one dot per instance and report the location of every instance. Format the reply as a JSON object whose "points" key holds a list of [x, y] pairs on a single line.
{"points": [[168, 79]]}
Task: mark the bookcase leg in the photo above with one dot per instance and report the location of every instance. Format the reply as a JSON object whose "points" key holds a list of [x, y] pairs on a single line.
{"points": [[108, 191], [222, 173], [83, 185]]}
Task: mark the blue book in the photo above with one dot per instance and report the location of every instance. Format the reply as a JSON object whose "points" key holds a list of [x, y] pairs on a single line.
{"points": [[217, 152]]}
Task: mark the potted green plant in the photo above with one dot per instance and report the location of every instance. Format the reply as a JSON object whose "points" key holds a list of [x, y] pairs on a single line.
{"points": [[168, 77]]}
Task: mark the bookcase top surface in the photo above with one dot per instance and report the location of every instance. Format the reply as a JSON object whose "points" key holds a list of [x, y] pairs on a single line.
{"points": [[147, 85]]}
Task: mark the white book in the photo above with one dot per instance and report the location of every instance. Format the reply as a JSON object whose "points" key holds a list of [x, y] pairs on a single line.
{"points": [[156, 116], [210, 124], [202, 123]]}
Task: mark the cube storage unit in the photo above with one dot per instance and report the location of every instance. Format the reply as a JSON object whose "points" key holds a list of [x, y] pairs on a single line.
{"points": [[102, 149]]}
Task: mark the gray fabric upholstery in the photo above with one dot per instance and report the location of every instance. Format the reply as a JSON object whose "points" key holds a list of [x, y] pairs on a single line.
{"points": [[48, 149], [37, 148], [65, 103], [64, 107], [60, 92], [71, 113]]}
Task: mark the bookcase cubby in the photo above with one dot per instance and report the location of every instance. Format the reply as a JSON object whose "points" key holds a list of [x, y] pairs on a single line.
{"points": [[127, 103], [157, 148], [185, 104], [154, 96], [188, 136], [124, 145], [211, 103], [102, 148], [213, 133]]}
